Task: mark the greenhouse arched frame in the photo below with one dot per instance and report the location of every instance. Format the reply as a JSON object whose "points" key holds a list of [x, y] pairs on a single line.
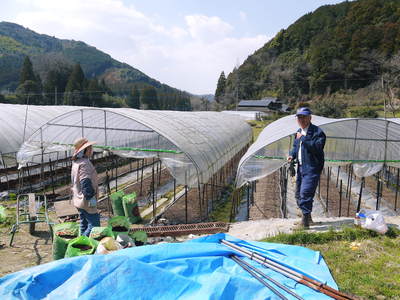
{"points": [[367, 144]]}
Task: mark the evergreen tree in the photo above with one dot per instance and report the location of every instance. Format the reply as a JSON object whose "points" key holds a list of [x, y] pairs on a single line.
{"points": [[134, 98], [30, 87], [220, 91], [74, 90], [27, 71], [149, 98], [29, 93], [94, 95]]}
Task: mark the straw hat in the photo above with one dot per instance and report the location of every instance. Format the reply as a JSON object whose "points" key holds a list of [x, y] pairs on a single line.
{"points": [[81, 144]]}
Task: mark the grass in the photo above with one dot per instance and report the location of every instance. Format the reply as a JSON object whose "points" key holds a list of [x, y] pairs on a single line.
{"points": [[222, 211], [362, 262], [258, 126]]}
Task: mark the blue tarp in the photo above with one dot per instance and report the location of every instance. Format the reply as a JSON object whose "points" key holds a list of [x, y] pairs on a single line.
{"points": [[197, 269]]}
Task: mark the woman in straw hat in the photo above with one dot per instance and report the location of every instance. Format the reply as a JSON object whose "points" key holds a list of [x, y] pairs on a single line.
{"points": [[84, 185]]}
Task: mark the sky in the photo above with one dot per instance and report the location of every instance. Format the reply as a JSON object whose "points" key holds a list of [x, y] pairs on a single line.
{"points": [[183, 43]]}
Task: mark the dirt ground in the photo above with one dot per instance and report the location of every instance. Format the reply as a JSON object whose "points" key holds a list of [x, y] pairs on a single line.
{"points": [[27, 250]]}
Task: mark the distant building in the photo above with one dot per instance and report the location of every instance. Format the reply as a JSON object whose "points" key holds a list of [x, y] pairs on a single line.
{"points": [[267, 105]]}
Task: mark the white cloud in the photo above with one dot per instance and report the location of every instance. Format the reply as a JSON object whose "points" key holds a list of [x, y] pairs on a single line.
{"points": [[243, 16], [207, 28], [189, 57]]}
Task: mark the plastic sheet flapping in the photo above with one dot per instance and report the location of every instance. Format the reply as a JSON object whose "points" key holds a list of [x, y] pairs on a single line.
{"points": [[198, 269]]}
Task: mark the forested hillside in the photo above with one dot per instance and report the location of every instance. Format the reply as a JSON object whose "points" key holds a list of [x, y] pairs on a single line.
{"points": [[53, 62], [340, 47]]}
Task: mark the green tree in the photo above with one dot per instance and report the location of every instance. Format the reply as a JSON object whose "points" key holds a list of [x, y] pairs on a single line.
{"points": [[74, 90], [134, 98], [29, 93], [27, 71], [149, 98], [2, 99], [220, 91], [363, 112], [329, 108], [55, 83], [94, 94]]}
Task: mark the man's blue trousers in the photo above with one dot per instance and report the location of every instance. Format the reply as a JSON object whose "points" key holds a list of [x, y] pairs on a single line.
{"points": [[306, 184]]}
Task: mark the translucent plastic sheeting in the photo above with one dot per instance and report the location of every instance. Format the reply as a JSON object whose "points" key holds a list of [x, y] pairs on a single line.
{"points": [[365, 143], [246, 115], [198, 269], [18, 122], [192, 145]]}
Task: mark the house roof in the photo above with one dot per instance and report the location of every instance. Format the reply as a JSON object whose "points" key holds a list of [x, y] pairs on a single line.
{"points": [[258, 103]]}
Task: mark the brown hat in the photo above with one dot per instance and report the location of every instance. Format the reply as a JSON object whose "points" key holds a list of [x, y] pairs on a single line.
{"points": [[81, 144]]}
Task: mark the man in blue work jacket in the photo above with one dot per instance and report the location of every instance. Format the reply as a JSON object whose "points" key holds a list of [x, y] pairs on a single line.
{"points": [[308, 150]]}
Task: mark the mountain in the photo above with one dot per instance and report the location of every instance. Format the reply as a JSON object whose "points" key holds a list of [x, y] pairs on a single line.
{"points": [[45, 52], [208, 97], [346, 46]]}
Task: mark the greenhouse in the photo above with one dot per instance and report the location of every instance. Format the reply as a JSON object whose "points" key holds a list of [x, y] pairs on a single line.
{"points": [[367, 144], [192, 145], [18, 122]]}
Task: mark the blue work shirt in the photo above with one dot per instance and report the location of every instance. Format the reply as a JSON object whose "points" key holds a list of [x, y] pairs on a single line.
{"points": [[312, 151]]}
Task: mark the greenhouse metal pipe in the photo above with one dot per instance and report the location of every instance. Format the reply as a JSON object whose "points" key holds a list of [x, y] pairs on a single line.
{"points": [[349, 195], [277, 283], [186, 204], [199, 198], [327, 188], [153, 190], [340, 198], [397, 189], [337, 178], [137, 169], [51, 176], [159, 174], [5, 170], [360, 195], [174, 189], [257, 276], [378, 187], [248, 201], [289, 272], [108, 193], [115, 161], [97, 127], [141, 179]]}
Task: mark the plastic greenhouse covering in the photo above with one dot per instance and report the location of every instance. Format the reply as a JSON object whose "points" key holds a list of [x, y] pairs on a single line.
{"points": [[18, 122], [192, 145], [368, 144]]}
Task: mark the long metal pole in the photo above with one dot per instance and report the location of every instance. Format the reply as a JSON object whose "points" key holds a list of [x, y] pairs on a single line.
{"points": [[277, 283], [256, 276], [290, 273]]}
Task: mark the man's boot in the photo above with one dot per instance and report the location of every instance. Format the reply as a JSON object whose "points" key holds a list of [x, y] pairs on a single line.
{"points": [[310, 220], [305, 222]]}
